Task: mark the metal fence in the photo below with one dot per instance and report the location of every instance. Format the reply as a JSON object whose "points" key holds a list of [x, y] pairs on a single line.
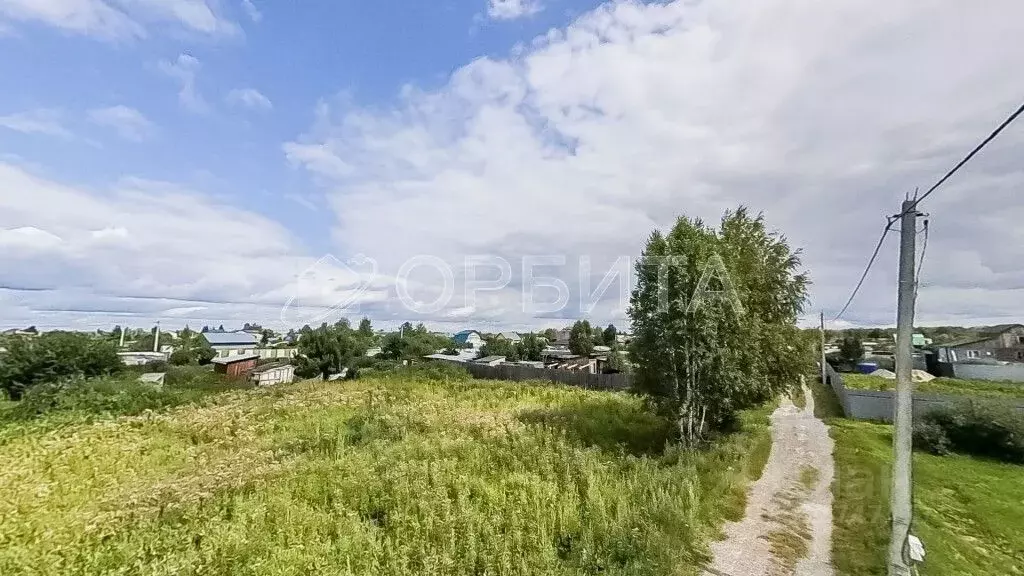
{"points": [[521, 373], [879, 404]]}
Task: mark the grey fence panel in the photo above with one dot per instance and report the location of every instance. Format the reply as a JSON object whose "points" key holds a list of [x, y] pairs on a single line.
{"points": [[520, 373], [879, 404]]}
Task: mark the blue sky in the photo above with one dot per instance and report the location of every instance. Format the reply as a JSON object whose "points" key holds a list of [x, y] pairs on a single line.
{"points": [[224, 161]]}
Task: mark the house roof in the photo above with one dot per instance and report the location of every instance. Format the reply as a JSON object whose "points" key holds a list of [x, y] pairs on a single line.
{"points": [[230, 338], [511, 336], [235, 358], [489, 359], [462, 337]]}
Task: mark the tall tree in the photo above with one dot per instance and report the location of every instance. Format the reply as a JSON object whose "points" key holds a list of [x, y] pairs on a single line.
{"points": [[365, 328], [713, 317], [609, 335], [530, 347], [851, 350], [581, 338], [330, 349]]}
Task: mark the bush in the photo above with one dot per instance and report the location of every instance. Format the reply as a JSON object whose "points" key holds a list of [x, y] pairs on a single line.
{"points": [[120, 395], [931, 438], [441, 371], [981, 429], [55, 356]]}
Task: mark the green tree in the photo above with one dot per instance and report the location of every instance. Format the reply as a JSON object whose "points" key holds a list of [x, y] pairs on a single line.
{"points": [[713, 317], [53, 356], [550, 335], [331, 349], [609, 335], [497, 346], [581, 338], [851, 350], [365, 328], [530, 348]]}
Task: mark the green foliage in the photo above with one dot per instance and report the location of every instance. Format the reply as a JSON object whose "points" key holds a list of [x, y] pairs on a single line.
{"points": [[550, 335], [329, 350], [977, 428], [713, 317], [581, 338], [851, 350], [966, 510], [118, 395], [145, 343], [54, 356], [498, 346], [530, 348], [609, 334], [395, 475], [365, 328], [413, 344], [931, 437]]}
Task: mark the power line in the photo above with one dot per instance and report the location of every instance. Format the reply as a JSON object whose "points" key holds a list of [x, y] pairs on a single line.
{"points": [[1009, 120], [920, 263], [871, 262]]}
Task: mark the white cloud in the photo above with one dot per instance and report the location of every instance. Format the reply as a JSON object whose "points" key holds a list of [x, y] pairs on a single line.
{"points": [[248, 98], [47, 121], [129, 123], [250, 9], [512, 9], [120, 19], [820, 114], [144, 249], [184, 70]]}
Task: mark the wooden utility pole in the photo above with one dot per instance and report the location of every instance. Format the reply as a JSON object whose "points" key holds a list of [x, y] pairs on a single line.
{"points": [[156, 338], [902, 442]]}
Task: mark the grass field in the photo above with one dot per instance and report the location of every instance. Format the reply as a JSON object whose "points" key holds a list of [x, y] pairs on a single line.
{"points": [[967, 510], [390, 475], [981, 388]]}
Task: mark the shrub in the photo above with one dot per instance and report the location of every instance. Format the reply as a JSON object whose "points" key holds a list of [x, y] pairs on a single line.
{"points": [[438, 371], [982, 429], [931, 438], [55, 356]]}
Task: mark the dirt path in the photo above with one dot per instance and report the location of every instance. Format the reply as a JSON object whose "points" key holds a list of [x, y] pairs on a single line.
{"points": [[787, 529]]}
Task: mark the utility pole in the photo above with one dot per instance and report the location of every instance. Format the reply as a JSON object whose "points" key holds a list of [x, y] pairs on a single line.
{"points": [[120, 344], [902, 444], [824, 379], [156, 338]]}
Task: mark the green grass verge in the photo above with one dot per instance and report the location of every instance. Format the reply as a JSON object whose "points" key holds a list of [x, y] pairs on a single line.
{"points": [[953, 386], [390, 475], [967, 510]]}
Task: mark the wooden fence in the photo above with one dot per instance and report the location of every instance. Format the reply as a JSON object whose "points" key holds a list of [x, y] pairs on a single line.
{"points": [[520, 373]]}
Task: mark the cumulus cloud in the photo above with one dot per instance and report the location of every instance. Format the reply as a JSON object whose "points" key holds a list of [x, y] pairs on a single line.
{"points": [[129, 123], [248, 98], [252, 11], [120, 19], [512, 9], [74, 256], [46, 121], [821, 115], [184, 70]]}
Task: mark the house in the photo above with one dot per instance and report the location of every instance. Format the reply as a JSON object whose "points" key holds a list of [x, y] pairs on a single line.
{"points": [[1003, 342], [469, 338], [235, 366], [491, 361], [141, 358], [511, 337], [562, 337], [227, 344], [272, 374]]}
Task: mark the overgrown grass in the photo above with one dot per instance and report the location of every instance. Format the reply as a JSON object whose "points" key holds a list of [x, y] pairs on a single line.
{"points": [[954, 386], [967, 510], [390, 475]]}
